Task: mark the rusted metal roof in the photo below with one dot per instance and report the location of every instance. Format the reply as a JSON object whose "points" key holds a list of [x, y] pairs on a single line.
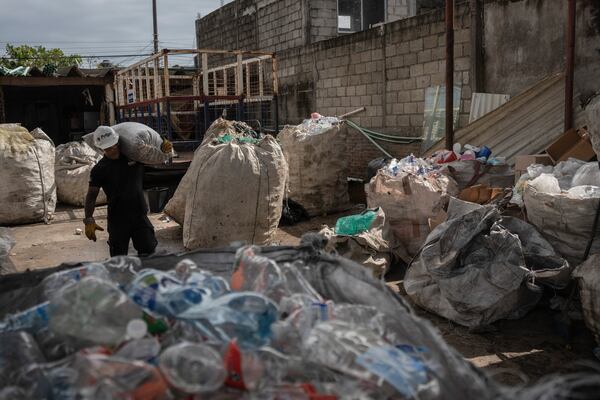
{"points": [[526, 124]]}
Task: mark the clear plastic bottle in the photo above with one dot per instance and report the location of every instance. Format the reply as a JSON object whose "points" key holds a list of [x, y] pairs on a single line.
{"points": [[31, 320], [94, 310], [193, 367], [246, 316], [166, 294]]}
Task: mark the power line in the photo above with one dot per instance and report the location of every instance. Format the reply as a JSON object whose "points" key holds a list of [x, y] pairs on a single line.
{"points": [[86, 56]]}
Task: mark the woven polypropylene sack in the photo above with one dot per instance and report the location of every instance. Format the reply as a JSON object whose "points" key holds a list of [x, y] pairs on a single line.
{"points": [[318, 167], [73, 164], [138, 142], [28, 191], [235, 194], [409, 201]]}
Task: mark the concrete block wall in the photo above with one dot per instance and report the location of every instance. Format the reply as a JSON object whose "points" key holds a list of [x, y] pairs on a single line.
{"points": [[398, 9], [280, 25], [323, 20], [387, 70]]}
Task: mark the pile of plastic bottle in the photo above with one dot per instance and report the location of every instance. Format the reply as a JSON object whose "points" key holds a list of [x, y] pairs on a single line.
{"points": [[410, 165], [107, 330], [318, 124], [469, 152]]}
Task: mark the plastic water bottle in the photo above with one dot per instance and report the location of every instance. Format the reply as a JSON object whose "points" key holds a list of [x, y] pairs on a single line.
{"points": [[57, 281], [166, 294], [246, 316], [144, 349], [94, 310], [31, 320], [193, 367]]}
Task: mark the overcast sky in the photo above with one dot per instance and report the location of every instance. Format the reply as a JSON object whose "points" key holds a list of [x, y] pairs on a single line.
{"points": [[101, 27]]}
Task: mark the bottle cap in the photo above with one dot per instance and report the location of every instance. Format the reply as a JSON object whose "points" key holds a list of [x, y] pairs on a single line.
{"points": [[136, 329]]}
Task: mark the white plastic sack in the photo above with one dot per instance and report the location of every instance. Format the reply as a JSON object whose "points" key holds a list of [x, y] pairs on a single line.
{"points": [[587, 175], [479, 267], [566, 221], [409, 201], [138, 142], [588, 279], [318, 166], [28, 192], [73, 164], [235, 193]]}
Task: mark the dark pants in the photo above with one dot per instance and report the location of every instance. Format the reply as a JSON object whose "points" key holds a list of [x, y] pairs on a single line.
{"points": [[137, 228]]}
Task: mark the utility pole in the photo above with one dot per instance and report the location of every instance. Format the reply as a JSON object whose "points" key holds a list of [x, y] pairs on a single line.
{"points": [[449, 74], [570, 65], [155, 26]]}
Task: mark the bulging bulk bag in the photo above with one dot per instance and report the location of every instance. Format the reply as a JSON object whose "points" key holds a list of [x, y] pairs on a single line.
{"points": [[28, 191], [175, 208], [138, 142], [409, 201], [74, 162], [235, 193], [317, 157]]}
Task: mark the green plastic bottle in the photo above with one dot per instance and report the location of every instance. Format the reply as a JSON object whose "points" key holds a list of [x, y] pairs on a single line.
{"points": [[355, 224]]}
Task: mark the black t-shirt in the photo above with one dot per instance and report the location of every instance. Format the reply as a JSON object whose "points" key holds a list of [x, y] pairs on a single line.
{"points": [[122, 181]]}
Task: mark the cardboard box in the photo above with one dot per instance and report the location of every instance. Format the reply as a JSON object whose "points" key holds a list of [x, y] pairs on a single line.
{"points": [[574, 144], [524, 161]]}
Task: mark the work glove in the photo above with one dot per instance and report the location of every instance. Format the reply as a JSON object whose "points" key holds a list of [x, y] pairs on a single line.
{"points": [[166, 146], [90, 228]]}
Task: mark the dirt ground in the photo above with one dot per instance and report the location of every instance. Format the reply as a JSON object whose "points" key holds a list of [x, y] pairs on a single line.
{"points": [[516, 352]]}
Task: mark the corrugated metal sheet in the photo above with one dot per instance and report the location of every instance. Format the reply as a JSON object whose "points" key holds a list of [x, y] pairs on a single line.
{"points": [[484, 103], [526, 124]]}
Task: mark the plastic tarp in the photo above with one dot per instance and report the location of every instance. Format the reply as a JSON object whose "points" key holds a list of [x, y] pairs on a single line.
{"points": [[28, 192], [138, 142], [479, 267], [318, 166], [409, 201], [372, 248], [588, 278], [73, 164]]}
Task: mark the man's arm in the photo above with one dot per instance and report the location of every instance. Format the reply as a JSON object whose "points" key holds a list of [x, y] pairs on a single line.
{"points": [[90, 201], [90, 205]]}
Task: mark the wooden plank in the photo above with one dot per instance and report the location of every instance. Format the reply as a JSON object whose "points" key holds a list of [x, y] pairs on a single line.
{"points": [[140, 82], [204, 59], [275, 81], [239, 76], [147, 73], [260, 78], [167, 83], [247, 79]]}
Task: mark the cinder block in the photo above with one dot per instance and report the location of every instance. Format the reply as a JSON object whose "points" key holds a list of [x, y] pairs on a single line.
{"points": [[361, 90], [423, 81], [403, 120], [341, 91], [424, 56], [417, 95], [462, 64], [416, 45], [398, 108], [350, 91], [404, 96], [430, 41], [416, 70], [431, 67], [410, 108]]}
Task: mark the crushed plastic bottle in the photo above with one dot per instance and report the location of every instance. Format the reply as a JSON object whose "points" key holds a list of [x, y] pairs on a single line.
{"points": [[94, 310], [144, 349], [584, 192], [165, 294], [193, 367], [587, 175], [355, 224], [246, 316], [30, 320], [57, 281]]}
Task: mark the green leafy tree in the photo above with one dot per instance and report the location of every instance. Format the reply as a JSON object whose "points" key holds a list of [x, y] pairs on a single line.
{"points": [[36, 56]]}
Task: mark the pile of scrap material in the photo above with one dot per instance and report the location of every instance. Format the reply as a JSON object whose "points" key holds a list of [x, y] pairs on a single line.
{"points": [[232, 191], [411, 192], [316, 153], [28, 192], [253, 323], [73, 163], [478, 267], [366, 238]]}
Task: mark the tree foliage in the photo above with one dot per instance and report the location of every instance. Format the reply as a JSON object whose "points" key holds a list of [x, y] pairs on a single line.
{"points": [[36, 56]]}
